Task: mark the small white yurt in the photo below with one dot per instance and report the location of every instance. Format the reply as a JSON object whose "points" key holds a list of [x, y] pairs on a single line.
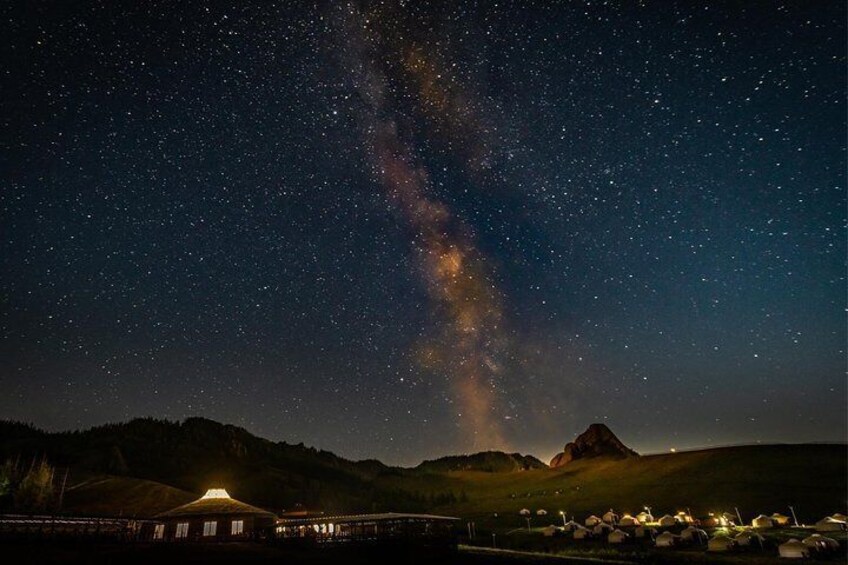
{"points": [[644, 532], [550, 531], [683, 517], [840, 517], [745, 539], [628, 521], [720, 543], [592, 521], [779, 519], [665, 539], [762, 521], [602, 529], [692, 533], [828, 524], [644, 517], [793, 549], [668, 521], [610, 517], [821, 543], [582, 533], [617, 536]]}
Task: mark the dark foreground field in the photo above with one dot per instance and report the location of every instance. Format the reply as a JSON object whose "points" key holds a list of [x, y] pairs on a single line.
{"points": [[254, 553]]}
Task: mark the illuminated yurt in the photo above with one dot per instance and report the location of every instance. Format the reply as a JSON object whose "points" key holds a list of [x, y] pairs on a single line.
{"points": [[582, 533], [215, 517], [602, 529], [644, 517], [667, 521], [665, 539], [745, 539], [821, 543], [617, 536], [592, 521], [629, 521], [693, 534], [720, 543], [610, 517], [762, 521], [779, 519], [793, 549], [828, 524]]}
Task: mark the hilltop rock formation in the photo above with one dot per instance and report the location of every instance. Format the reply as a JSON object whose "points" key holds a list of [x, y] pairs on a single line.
{"points": [[597, 441]]}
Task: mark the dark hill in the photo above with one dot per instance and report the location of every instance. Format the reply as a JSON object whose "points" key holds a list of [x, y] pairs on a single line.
{"points": [[597, 441], [488, 461], [196, 453]]}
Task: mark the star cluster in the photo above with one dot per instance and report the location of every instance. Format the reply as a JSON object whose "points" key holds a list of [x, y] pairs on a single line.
{"points": [[405, 229]]}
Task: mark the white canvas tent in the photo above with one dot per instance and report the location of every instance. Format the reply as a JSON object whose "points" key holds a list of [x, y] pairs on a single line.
{"points": [[644, 517], [628, 521], [592, 521], [582, 533], [779, 519], [668, 521], [793, 549], [745, 539], [617, 536], [821, 543], [665, 539], [720, 543], [602, 529], [570, 525], [828, 524], [693, 534], [762, 521], [610, 517]]}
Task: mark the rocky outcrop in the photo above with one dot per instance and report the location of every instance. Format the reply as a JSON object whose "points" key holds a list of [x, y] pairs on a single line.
{"points": [[597, 441]]}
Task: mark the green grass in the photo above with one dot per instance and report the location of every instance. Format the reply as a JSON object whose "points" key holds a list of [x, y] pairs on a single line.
{"points": [[756, 479]]}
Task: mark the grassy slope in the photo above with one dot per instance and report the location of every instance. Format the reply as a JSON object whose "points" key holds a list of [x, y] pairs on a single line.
{"points": [[757, 479], [123, 496]]}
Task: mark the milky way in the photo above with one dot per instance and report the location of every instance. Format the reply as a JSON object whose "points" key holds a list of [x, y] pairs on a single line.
{"points": [[405, 229]]}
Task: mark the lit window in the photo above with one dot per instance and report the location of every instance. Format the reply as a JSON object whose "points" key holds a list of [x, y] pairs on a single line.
{"points": [[238, 528], [182, 530], [159, 531], [332, 528], [210, 528]]}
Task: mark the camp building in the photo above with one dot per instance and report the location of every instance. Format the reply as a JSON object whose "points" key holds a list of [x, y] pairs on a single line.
{"points": [[214, 517]]}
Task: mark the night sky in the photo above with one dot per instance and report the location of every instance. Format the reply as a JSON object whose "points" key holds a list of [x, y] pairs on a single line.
{"points": [[405, 230]]}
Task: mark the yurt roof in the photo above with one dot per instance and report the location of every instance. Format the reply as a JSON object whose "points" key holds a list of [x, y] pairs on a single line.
{"points": [[215, 501]]}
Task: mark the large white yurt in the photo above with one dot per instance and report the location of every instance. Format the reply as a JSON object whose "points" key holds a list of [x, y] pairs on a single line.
{"points": [[592, 521], [828, 524], [745, 539], [692, 533], [582, 533], [762, 521], [628, 521], [720, 543], [665, 539], [644, 517], [617, 536], [793, 549], [780, 519], [668, 521], [820, 543], [602, 529], [610, 517]]}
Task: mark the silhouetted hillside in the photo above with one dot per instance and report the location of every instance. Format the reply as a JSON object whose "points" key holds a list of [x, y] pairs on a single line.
{"points": [[488, 461]]}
